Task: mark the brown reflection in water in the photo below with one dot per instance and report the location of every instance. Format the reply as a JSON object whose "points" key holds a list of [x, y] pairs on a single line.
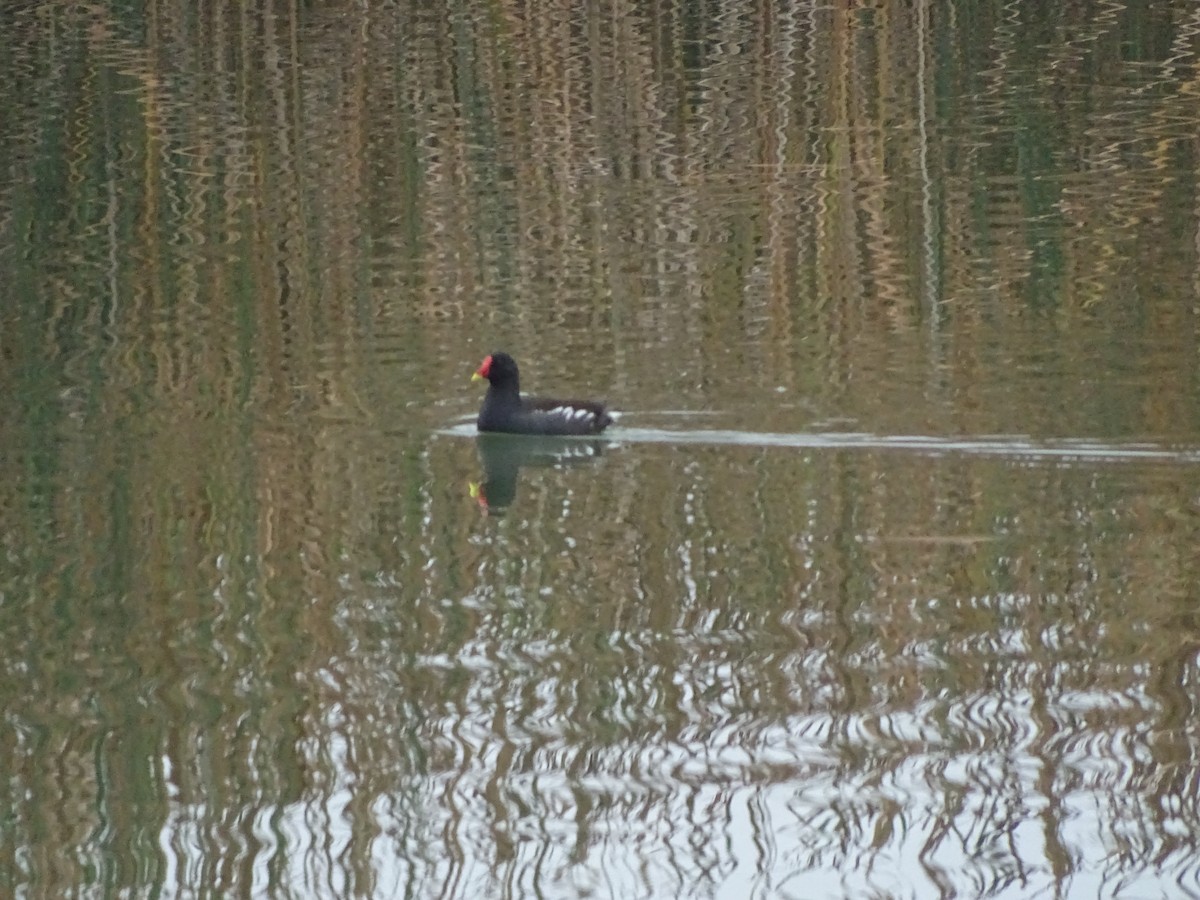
{"points": [[256, 634]]}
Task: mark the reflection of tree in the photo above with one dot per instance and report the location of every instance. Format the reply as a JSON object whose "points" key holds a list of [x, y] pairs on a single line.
{"points": [[237, 237]]}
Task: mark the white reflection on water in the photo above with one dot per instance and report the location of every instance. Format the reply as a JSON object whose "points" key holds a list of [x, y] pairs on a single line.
{"points": [[730, 812], [1002, 445]]}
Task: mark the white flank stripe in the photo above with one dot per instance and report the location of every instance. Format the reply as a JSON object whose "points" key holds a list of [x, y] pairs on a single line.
{"points": [[571, 412]]}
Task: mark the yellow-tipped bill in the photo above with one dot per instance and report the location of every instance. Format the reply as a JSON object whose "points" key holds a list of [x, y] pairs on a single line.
{"points": [[484, 370]]}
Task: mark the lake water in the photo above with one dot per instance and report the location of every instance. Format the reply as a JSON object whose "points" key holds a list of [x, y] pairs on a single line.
{"points": [[887, 584]]}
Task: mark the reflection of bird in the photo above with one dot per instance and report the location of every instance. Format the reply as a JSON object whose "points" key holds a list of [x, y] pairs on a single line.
{"points": [[504, 409], [503, 456]]}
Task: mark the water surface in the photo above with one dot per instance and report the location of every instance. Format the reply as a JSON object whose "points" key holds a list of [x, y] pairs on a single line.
{"points": [[885, 585]]}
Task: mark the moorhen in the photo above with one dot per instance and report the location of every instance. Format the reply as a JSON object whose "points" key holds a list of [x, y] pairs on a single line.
{"points": [[504, 409]]}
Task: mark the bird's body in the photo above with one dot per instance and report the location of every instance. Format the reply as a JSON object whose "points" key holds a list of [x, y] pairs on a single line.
{"points": [[505, 410]]}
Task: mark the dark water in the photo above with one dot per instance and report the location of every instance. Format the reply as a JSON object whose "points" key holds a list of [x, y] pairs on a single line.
{"points": [[885, 586]]}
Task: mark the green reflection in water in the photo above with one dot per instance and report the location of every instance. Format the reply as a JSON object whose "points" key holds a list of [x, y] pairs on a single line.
{"points": [[863, 599]]}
